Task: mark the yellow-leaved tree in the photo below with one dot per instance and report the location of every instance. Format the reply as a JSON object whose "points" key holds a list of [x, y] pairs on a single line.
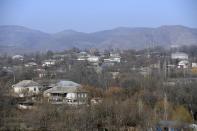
{"points": [[180, 113]]}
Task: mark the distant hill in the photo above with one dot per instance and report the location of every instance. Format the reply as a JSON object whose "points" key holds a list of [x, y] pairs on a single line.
{"points": [[22, 39]]}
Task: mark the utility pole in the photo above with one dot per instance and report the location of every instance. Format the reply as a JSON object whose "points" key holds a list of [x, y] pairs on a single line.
{"points": [[14, 79], [165, 107], [140, 106], [165, 70]]}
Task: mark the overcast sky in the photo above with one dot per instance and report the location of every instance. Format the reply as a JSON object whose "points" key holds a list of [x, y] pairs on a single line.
{"points": [[94, 15]]}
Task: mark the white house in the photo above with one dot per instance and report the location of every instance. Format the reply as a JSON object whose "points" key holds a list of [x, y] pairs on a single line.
{"points": [[183, 64], [81, 58], [114, 55], [194, 65], [41, 72], [113, 59], [83, 53], [18, 57], [116, 59], [26, 88], [66, 92], [179, 55], [30, 64], [49, 62], [93, 59]]}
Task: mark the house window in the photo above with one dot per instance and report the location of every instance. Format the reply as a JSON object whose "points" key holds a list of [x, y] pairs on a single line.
{"points": [[34, 89], [84, 95]]}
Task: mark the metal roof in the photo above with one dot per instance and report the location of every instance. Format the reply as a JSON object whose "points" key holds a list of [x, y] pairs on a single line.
{"points": [[65, 87], [26, 83], [66, 83]]}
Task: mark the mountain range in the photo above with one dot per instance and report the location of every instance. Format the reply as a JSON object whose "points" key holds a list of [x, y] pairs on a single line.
{"points": [[19, 39]]}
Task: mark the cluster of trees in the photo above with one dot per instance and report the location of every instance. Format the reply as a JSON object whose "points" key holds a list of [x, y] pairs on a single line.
{"points": [[138, 103]]}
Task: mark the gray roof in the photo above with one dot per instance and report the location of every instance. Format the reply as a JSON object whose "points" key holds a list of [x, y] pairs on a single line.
{"points": [[66, 83], [64, 87], [26, 83]]}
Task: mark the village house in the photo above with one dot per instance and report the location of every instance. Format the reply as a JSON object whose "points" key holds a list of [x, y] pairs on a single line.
{"points": [[114, 54], [59, 57], [180, 60], [83, 53], [93, 59], [30, 64], [113, 57], [183, 64], [18, 57], [66, 92], [179, 56], [40, 72], [48, 63], [82, 56], [44, 73], [114, 60], [194, 65], [26, 88]]}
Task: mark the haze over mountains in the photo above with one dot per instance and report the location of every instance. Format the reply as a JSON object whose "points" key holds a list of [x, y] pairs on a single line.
{"points": [[18, 39]]}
